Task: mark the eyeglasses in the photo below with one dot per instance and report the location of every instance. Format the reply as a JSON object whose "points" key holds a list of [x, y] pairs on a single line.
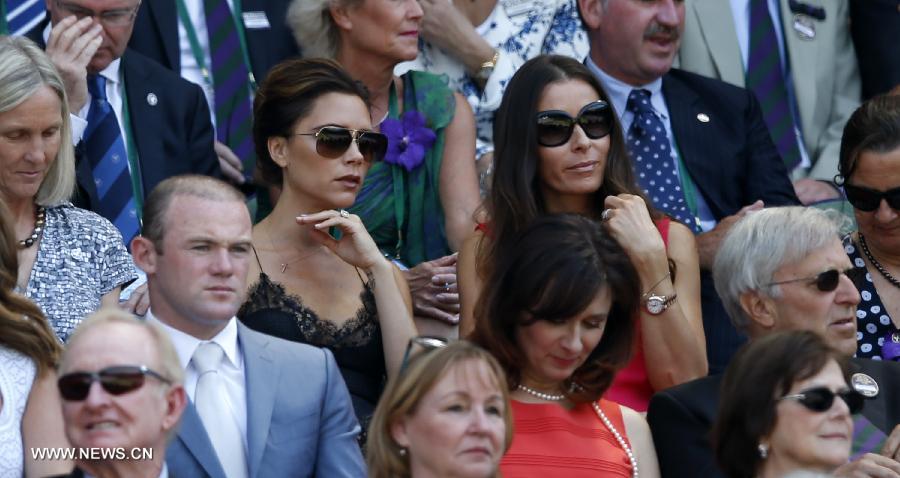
{"points": [[117, 380], [820, 399], [554, 127], [427, 343], [827, 281], [868, 200], [112, 18], [333, 141]]}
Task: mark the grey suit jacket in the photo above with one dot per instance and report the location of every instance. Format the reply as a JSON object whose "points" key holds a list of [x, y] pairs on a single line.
{"points": [[824, 69], [299, 418]]}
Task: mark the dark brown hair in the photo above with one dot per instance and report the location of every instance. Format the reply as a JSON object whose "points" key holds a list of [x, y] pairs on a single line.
{"points": [[23, 327], [874, 126], [764, 369], [552, 272], [287, 95]]}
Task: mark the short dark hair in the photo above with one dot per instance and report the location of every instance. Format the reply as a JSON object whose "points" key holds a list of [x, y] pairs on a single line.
{"points": [[875, 127], [552, 271], [764, 369], [287, 95]]}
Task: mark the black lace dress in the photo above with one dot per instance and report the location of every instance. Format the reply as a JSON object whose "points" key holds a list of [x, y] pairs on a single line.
{"points": [[356, 344]]}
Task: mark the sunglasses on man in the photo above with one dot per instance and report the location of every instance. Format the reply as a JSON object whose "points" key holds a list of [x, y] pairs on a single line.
{"points": [[828, 281], [555, 127], [333, 141], [116, 380], [820, 399]]}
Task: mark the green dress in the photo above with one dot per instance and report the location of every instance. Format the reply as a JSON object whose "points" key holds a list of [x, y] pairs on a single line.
{"points": [[402, 209]]}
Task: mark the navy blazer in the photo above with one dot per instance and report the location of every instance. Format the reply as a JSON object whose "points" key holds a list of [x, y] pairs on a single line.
{"points": [[156, 35], [875, 27], [732, 161], [300, 421], [681, 418]]}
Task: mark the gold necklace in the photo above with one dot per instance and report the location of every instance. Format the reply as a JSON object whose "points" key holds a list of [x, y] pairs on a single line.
{"points": [[284, 265]]}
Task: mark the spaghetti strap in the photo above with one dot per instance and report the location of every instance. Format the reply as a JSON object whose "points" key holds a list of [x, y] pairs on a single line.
{"points": [[257, 258]]}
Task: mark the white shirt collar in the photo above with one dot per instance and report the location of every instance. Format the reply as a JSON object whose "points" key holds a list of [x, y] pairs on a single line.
{"points": [[186, 344], [618, 90]]}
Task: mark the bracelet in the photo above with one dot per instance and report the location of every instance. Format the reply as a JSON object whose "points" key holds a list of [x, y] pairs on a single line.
{"points": [[645, 294]]}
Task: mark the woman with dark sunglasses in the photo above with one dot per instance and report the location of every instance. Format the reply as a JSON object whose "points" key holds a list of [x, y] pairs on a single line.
{"points": [[869, 168], [785, 407], [559, 149], [321, 279]]}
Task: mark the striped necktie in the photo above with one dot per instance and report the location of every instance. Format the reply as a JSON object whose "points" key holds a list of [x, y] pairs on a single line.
{"points": [[21, 16], [231, 82], [766, 79], [106, 153]]}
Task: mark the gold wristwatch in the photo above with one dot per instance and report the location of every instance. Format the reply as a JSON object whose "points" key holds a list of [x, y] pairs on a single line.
{"points": [[487, 68]]}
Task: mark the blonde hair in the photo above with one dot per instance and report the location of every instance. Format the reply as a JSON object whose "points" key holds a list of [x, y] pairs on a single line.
{"points": [[402, 397], [314, 28], [24, 69]]}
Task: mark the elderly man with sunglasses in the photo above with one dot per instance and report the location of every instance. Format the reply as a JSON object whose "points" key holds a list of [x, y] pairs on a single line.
{"points": [[122, 396], [784, 269]]}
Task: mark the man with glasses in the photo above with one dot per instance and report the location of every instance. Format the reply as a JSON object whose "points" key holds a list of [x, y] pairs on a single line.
{"points": [[783, 269], [259, 406], [134, 122], [122, 395]]}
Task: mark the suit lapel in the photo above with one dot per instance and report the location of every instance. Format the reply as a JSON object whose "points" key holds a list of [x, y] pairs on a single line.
{"points": [[146, 114], [165, 18], [875, 409], [717, 27], [263, 374], [193, 437], [803, 56]]}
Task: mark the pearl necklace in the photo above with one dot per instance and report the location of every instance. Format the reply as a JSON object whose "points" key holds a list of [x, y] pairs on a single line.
{"points": [[884, 273], [38, 227], [541, 395], [619, 438]]}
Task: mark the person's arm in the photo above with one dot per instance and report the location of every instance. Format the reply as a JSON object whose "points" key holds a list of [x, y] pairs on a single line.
{"points": [[641, 441], [469, 282], [458, 179], [42, 426], [111, 298], [338, 453]]}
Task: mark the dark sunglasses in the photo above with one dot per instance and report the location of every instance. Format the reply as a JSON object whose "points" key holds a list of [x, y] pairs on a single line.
{"points": [[828, 281], [554, 127], [333, 141], [820, 399], [868, 200], [117, 380], [427, 343]]}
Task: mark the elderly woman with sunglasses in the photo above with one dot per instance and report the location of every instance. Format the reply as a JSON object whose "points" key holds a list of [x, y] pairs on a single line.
{"points": [[446, 414], [786, 406], [418, 203], [869, 166], [559, 148], [321, 279]]}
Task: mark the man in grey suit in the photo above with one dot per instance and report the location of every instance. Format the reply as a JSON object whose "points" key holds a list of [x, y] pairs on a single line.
{"points": [[260, 406]]}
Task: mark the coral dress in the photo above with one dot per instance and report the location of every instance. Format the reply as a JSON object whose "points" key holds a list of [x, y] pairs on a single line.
{"points": [[552, 441]]}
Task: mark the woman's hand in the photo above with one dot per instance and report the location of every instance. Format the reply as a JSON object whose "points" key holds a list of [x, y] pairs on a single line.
{"points": [[434, 291], [355, 247], [627, 219], [448, 29]]}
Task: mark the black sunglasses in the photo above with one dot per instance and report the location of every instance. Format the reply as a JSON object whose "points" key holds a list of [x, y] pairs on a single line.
{"points": [[820, 399], [868, 200], [117, 380], [333, 141], [426, 342], [554, 127], [828, 281]]}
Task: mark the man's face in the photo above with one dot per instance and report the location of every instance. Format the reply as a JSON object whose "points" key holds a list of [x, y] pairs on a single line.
{"points": [[115, 16], [198, 279], [634, 41], [139, 418], [802, 306]]}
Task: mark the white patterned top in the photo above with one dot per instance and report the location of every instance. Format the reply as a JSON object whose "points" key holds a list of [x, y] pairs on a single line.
{"points": [[16, 376], [519, 30]]}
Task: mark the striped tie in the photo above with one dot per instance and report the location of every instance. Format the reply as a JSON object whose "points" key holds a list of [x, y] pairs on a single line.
{"points": [[231, 82], [105, 151], [21, 16], [766, 79]]}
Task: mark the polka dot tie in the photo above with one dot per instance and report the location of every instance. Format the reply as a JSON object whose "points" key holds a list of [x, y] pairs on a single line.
{"points": [[653, 161]]}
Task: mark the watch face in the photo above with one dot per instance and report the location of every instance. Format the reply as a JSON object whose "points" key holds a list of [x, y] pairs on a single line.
{"points": [[655, 305]]}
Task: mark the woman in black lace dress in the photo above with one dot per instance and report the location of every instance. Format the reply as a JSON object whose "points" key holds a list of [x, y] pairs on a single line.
{"points": [[313, 139]]}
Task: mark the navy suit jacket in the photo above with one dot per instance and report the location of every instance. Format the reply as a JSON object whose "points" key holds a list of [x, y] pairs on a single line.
{"points": [[299, 418], [875, 27], [681, 418], [156, 35], [732, 161], [170, 123]]}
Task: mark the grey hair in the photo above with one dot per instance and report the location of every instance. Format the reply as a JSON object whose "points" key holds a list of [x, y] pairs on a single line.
{"points": [[24, 69], [761, 243], [314, 28]]}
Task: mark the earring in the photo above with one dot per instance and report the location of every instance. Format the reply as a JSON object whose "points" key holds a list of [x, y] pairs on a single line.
{"points": [[763, 450], [402, 452]]}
